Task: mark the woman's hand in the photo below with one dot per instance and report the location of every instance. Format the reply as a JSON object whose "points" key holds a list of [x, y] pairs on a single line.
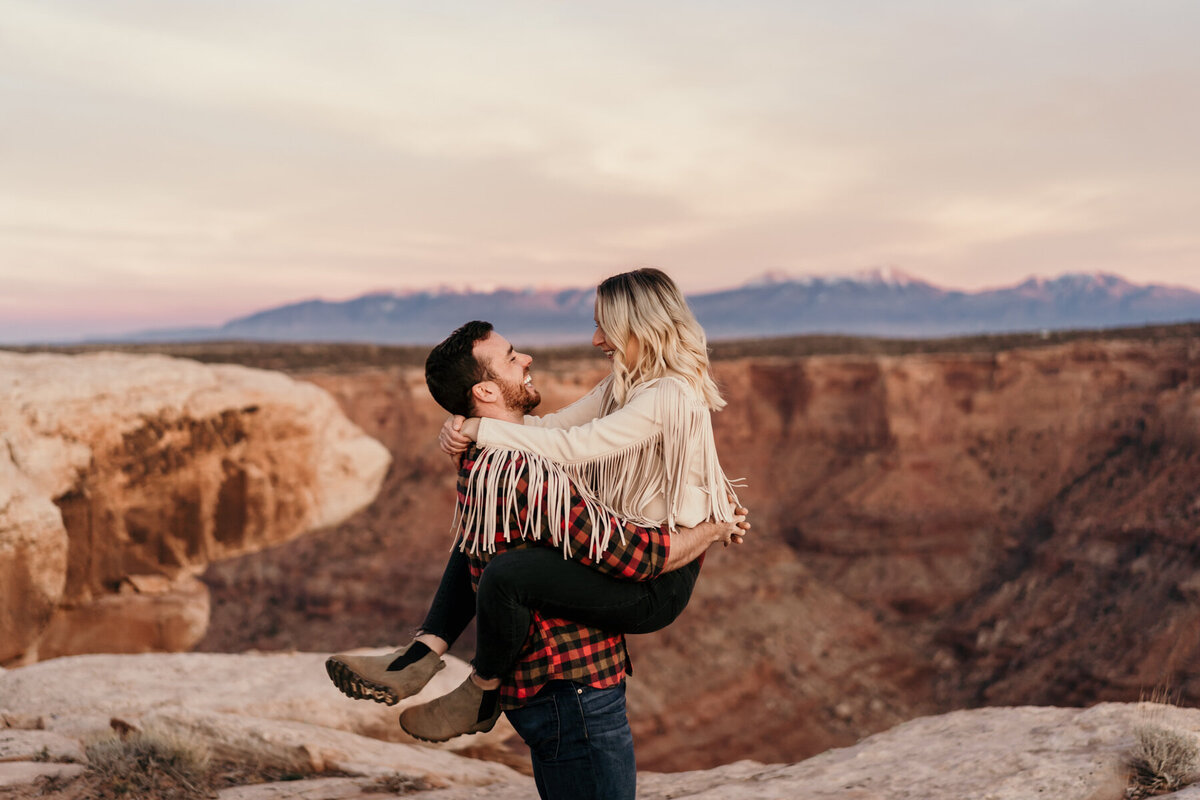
{"points": [[741, 526], [726, 532], [456, 434], [451, 439]]}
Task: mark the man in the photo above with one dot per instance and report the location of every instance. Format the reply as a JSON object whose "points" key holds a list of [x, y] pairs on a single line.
{"points": [[566, 695]]}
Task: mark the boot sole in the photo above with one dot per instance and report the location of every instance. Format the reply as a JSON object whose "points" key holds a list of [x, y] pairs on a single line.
{"points": [[447, 738], [424, 739], [355, 686]]}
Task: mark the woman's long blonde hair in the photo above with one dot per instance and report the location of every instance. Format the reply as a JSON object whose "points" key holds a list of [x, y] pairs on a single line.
{"points": [[647, 304]]}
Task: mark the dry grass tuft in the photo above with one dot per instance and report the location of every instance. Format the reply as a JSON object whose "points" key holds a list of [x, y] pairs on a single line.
{"points": [[132, 764], [150, 764], [1163, 760]]}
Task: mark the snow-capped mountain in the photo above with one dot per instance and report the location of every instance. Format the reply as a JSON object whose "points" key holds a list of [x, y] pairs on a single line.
{"points": [[880, 302]]}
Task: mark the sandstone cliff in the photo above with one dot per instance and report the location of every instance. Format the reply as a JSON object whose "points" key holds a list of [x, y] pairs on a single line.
{"points": [[122, 477], [932, 531]]}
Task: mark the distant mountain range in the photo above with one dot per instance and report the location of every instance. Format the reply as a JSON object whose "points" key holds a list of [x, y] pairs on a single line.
{"points": [[885, 303]]}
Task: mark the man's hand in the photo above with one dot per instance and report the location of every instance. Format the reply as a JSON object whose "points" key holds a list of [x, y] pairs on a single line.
{"points": [[723, 532], [688, 543], [732, 532], [451, 438]]}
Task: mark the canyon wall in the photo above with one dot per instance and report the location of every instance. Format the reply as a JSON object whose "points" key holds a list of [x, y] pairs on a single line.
{"points": [[931, 531]]}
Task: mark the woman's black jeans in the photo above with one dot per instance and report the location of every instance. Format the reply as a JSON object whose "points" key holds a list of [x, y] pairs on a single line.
{"points": [[517, 582]]}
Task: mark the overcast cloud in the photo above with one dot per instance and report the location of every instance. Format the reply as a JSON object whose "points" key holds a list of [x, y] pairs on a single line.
{"points": [[181, 162]]}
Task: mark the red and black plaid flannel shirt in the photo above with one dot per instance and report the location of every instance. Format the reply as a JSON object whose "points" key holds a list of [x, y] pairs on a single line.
{"points": [[558, 649]]}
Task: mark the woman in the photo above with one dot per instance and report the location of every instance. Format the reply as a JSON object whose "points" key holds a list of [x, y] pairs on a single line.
{"points": [[641, 441]]}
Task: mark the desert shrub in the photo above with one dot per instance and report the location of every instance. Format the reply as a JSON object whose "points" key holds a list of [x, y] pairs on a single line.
{"points": [[149, 764], [1163, 760]]}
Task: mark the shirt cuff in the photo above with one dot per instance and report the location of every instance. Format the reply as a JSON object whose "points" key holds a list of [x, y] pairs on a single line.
{"points": [[665, 534]]}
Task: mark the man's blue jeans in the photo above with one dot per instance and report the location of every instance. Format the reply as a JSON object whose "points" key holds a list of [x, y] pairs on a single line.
{"points": [[580, 742]]}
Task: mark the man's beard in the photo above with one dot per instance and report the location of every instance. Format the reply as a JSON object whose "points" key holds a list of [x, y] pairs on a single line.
{"points": [[518, 398]]}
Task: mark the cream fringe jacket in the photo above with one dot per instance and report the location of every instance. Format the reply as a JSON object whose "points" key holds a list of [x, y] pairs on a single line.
{"points": [[650, 461]]}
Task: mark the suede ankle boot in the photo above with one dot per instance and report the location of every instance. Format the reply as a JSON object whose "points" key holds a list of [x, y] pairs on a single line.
{"points": [[467, 709], [384, 678]]}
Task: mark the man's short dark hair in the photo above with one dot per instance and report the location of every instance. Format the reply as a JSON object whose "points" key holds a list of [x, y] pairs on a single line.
{"points": [[451, 370]]}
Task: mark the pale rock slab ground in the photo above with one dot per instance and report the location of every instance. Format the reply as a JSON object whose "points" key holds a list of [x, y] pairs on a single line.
{"points": [[75, 695], [315, 789], [118, 469], [275, 709], [22, 773], [984, 754], [311, 748], [279, 709], [26, 745]]}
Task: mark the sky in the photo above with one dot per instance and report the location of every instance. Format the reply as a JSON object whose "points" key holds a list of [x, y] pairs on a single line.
{"points": [[172, 162]]}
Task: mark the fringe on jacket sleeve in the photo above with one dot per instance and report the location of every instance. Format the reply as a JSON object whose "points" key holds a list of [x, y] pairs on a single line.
{"points": [[486, 510], [666, 462]]}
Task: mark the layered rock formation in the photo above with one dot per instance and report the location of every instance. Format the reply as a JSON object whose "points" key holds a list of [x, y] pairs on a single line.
{"points": [[907, 477], [233, 706], [1097, 597], [932, 531], [991, 508], [122, 477]]}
